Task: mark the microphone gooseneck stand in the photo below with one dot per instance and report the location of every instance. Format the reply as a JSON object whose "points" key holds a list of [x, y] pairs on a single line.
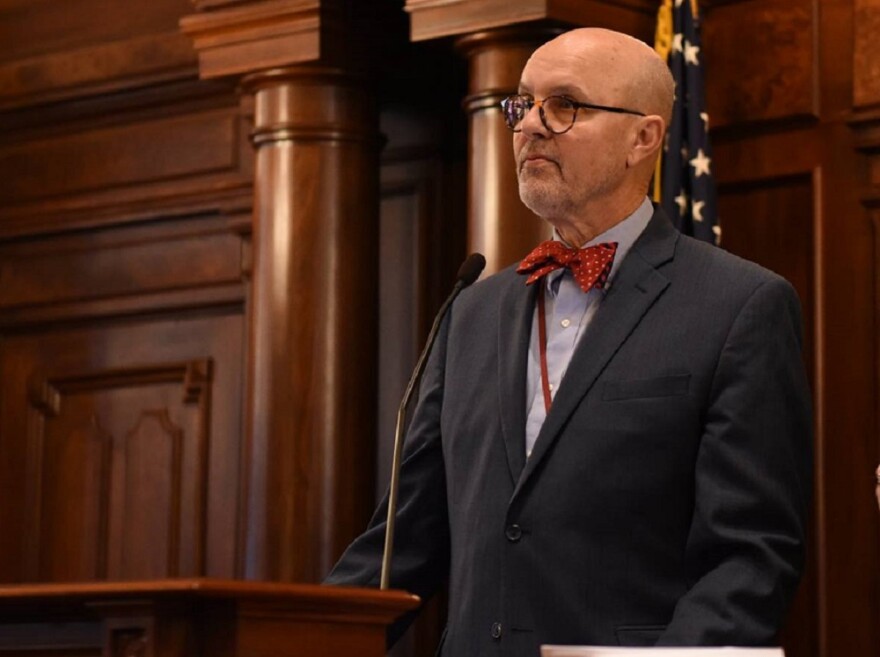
{"points": [[468, 272]]}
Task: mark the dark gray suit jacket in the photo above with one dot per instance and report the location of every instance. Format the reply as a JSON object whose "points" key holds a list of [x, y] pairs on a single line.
{"points": [[667, 493]]}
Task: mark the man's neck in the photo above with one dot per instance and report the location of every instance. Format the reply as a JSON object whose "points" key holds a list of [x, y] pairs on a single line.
{"points": [[594, 221]]}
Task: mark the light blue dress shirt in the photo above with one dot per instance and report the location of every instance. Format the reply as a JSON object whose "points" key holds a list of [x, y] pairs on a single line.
{"points": [[569, 311]]}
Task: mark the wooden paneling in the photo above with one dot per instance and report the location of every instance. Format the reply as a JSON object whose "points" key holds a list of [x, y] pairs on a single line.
{"points": [[250, 36], [116, 473], [110, 436], [83, 269], [139, 152], [95, 69], [421, 243], [58, 50], [762, 59], [144, 163], [866, 85], [34, 27], [431, 19]]}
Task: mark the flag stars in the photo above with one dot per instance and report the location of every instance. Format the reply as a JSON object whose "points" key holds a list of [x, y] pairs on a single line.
{"points": [[705, 117], [701, 164], [697, 210], [682, 201], [690, 53], [676, 42]]}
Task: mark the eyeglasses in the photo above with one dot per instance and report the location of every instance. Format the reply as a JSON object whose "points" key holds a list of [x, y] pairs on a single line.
{"points": [[557, 113]]}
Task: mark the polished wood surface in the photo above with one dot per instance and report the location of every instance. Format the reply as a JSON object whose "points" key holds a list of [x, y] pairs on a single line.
{"points": [[431, 19], [312, 420], [196, 616], [204, 220]]}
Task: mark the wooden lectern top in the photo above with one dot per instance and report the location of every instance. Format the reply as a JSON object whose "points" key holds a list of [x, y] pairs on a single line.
{"points": [[174, 617]]}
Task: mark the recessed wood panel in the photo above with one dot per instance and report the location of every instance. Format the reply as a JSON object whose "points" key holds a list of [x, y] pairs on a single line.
{"points": [[120, 155], [127, 266], [866, 69], [760, 61], [150, 472], [117, 466], [105, 434], [102, 67], [33, 27], [70, 490]]}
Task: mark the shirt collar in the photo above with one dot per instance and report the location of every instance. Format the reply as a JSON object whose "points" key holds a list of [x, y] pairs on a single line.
{"points": [[624, 232]]}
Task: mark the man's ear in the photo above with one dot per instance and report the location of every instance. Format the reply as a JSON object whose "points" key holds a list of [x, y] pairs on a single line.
{"points": [[647, 140]]}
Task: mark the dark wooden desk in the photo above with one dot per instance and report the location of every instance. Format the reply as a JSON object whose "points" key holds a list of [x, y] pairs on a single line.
{"points": [[189, 617]]}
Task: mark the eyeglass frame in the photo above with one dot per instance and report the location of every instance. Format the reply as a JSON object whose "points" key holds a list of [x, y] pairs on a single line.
{"points": [[577, 105]]}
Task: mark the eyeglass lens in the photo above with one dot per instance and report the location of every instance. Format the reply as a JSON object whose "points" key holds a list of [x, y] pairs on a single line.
{"points": [[556, 112]]}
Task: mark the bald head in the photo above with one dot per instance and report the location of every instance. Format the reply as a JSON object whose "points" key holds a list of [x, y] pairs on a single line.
{"points": [[595, 171], [634, 73]]}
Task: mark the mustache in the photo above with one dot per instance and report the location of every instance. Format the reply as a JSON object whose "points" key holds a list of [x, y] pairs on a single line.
{"points": [[531, 153]]}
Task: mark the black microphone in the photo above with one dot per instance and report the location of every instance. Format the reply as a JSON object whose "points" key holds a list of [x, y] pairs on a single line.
{"points": [[468, 272]]}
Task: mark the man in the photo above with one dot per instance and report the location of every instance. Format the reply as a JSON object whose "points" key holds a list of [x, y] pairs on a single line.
{"points": [[617, 453]]}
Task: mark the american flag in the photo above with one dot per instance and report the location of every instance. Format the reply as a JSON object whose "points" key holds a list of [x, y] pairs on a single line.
{"points": [[684, 184]]}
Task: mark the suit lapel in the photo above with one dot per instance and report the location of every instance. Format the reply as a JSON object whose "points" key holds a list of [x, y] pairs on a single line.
{"points": [[636, 287], [514, 330]]}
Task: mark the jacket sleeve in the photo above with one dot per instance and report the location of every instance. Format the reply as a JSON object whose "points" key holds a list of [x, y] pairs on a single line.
{"points": [[752, 486], [420, 561]]}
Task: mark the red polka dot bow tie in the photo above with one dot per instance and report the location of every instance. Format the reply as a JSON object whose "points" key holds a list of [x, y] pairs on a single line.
{"points": [[589, 266]]}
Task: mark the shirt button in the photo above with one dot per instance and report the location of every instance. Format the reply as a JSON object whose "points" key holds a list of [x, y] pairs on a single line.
{"points": [[565, 323], [550, 386], [496, 630], [513, 533]]}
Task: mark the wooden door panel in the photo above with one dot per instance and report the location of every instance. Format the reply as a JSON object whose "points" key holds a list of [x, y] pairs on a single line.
{"points": [[115, 457]]}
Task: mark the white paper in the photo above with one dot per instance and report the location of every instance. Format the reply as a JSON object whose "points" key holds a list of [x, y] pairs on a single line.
{"points": [[613, 651]]}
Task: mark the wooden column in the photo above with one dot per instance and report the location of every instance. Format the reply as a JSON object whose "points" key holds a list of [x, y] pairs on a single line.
{"points": [[308, 462], [314, 320], [499, 225], [497, 39]]}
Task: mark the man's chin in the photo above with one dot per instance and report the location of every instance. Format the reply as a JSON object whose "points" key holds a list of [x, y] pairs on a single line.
{"points": [[539, 201]]}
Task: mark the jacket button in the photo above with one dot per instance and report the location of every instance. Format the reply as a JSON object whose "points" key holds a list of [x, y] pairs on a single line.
{"points": [[513, 533], [496, 630]]}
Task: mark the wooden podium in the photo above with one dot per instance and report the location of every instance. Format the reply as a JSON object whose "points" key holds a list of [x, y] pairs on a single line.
{"points": [[189, 617]]}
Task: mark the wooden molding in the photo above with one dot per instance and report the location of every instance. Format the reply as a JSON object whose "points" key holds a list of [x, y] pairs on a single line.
{"points": [[245, 37], [96, 69], [866, 125], [431, 19]]}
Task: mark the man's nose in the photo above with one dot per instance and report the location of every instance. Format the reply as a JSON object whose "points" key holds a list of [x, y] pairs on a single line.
{"points": [[532, 125]]}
